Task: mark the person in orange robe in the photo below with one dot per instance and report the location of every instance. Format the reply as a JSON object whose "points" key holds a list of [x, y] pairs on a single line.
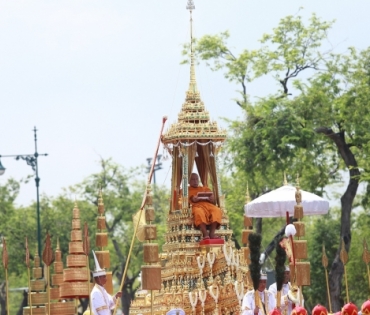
{"points": [[204, 211]]}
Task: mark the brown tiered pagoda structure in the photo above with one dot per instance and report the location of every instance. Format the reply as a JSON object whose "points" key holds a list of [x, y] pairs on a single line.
{"points": [[76, 283]]}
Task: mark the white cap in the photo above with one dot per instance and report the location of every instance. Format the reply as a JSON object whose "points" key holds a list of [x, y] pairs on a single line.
{"points": [[287, 268], [176, 311], [263, 276], [98, 271]]}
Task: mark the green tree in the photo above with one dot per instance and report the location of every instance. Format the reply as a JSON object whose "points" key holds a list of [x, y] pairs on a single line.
{"points": [[123, 196], [318, 131]]}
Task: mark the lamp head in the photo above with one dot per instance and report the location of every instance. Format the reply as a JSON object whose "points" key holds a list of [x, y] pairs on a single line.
{"points": [[2, 169]]}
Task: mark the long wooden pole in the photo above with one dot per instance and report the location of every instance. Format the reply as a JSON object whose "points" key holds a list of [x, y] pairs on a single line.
{"points": [[7, 291], [141, 212], [48, 282], [368, 274], [325, 264], [327, 289]]}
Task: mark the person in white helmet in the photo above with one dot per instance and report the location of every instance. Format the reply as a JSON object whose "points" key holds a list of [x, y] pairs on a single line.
{"points": [[101, 301], [266, 298], [288, 300]]}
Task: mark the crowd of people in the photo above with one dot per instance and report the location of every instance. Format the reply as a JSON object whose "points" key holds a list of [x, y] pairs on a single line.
{"points": [[292, 302]]}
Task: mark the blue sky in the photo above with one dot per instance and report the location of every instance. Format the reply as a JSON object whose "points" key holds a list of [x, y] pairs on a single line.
{"points": [[96, 77]]}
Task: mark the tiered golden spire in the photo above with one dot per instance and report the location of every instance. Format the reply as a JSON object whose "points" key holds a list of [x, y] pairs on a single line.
{"points": [[37, 295], [193, 83], [300, 271], [193, 120], [192, 270], [59, 307], [101, 241], [76, 283]]}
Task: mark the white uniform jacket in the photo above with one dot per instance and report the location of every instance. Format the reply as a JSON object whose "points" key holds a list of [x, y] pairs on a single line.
{"points": [[268, 303], [101, 301], [285, 302]]}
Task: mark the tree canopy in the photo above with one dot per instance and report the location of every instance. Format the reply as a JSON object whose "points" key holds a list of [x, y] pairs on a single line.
{"points": [[316, 122]]}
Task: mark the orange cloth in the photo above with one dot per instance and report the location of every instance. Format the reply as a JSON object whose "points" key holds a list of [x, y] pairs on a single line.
{"points": [[204, 211]]}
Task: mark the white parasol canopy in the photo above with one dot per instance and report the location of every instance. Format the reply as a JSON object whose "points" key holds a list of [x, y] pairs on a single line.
{"points": [[277, 202]]}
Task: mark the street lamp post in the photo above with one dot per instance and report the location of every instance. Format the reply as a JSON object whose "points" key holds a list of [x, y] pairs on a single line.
{"points": [[157, 166], [31, 160]]}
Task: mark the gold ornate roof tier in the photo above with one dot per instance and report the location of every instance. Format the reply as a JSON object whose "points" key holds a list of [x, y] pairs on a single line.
{"points": [[193, 123]]}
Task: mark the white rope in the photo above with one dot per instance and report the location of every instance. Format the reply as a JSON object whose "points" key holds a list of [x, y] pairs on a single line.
{"points": [[227, 255], [193, 299]]}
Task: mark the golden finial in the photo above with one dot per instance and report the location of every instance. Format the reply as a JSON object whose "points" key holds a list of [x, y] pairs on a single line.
{"points": [[100, 202], [324, 259], [343, 254], [247, 196], [285, 181], [58, 245], [297, 180], [193, 84], [27, 254], [47, 254]]}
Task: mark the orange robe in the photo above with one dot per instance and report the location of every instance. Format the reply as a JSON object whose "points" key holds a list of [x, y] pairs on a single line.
{"points": [[204, 211]]}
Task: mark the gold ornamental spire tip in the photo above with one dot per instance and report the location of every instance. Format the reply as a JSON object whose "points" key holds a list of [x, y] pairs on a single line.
{"points": [[58, 245], [297, 180], [100, 200], [193, 84], [285, 181], [324, 258]]}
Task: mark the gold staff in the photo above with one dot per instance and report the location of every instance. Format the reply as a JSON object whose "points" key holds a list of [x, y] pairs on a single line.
{"points": [[141, 212], [48, 258], [5, 264], [29, 274], [366, 259], [344, 260], [86, 248], [325, 265]]}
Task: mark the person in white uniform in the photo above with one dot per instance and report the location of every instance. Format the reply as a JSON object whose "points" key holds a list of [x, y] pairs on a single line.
{"points": [[101, 301], [267, 300], [288, 303]]}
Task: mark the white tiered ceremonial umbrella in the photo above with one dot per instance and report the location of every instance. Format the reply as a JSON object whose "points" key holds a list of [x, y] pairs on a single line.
{"points": [[278, 202]]}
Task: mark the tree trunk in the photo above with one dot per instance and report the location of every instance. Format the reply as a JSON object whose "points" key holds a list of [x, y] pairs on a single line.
{"points": [[337, 268]]}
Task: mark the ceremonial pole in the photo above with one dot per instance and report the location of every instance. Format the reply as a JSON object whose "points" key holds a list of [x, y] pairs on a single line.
{"points": [[29, 274], [325, 265], [48, 258], [86, 248], [141, 212], [344, 260], [5, 264]]}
